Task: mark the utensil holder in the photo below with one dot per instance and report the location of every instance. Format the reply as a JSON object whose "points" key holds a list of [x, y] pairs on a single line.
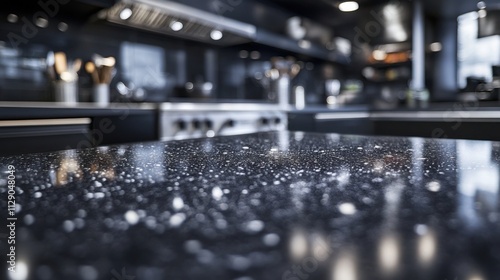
{"points": [[66, 92], [100, 94]]}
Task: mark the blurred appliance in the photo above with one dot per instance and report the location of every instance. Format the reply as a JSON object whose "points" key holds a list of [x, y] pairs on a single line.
{"points": [[332, 91], [176, 19], [489, 22], [479, 89], [189, 120], [277, 80], [495, 69], [474, 83], [341, 93], [199, 89], [299, 28]]}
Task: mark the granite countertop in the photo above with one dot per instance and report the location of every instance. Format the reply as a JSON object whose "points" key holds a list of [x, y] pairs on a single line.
{"points": [[279, 205]]}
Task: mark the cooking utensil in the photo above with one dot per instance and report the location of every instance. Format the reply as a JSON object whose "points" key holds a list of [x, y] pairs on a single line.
{"points": [[77, 64], [64, 77], [50, 60], [282, 72], [60, 63], [102, 70], [91, 69]]}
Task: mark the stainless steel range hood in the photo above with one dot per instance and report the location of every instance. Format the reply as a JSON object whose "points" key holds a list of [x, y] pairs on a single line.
{"points": [[175, 19]]}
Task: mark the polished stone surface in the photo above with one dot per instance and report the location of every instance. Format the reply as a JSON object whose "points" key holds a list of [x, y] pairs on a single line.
{"points": [[262, 206]]}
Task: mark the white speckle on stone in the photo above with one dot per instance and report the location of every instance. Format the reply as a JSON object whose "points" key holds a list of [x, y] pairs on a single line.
{"points": [[97, 184], [254, 226], [88, 272], [205, 257], [367, 200], [421, 229], [493, 217], [433, 186], [177, 219], [271, 239], [221, 224], [178, 203], [37, 194], [81, 213], [79, 223], [217, 193], [192, 246], [239, 263], [150, 222], [131, 217], [68, 226], [347, 208], [29, 219], [377, 180], [99, 195], [246, 148]]}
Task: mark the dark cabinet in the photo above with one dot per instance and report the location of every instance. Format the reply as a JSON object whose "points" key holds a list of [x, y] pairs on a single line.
{"points": [[336, 122], [43, 135], [125, 129]]}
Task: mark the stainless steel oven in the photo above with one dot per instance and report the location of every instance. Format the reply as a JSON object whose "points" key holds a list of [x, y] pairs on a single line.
{"points": [[188, 120]]}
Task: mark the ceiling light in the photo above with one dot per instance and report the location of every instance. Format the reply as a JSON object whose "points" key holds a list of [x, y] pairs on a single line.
{"points": [[176, 25], [243, 54], [21, 272], [125, 14], [62, 26], [348, 6], [436, 47], [305, 44], [379, 55], [255, 55], [216, 35], [12, 18], [482, 13], [42, 22]]}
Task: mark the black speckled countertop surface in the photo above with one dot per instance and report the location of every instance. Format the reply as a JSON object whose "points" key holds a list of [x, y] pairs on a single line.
{"points": [[263, 206]]}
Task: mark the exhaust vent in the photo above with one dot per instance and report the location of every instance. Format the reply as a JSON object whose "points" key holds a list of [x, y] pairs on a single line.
{"points": [[179, 20]]}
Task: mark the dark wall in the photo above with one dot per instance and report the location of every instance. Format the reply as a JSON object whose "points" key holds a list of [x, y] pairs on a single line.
{"points": [[84, 38], [445, 62], [23, 76]]}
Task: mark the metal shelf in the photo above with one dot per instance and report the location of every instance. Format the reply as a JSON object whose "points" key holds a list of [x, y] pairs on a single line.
{"points": [[282, 42]]}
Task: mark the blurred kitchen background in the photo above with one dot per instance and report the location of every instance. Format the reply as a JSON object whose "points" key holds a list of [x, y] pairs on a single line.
{"points": [[301, 55], [365, 53]]}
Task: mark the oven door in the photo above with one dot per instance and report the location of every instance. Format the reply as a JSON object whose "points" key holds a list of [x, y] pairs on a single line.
{"points": [[43, 135]]}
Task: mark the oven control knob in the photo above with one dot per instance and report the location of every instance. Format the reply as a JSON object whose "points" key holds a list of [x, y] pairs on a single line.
{"points": [[181, 124], [209, 124], [196, 124]]}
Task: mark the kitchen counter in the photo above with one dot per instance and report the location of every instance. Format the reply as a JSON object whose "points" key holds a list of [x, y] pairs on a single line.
{"points": [[30, 110], [444, 112], [36, 110], [262, 206]]}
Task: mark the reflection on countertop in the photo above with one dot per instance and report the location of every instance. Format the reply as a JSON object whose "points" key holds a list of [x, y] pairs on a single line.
{"points": [[262, 206]]}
